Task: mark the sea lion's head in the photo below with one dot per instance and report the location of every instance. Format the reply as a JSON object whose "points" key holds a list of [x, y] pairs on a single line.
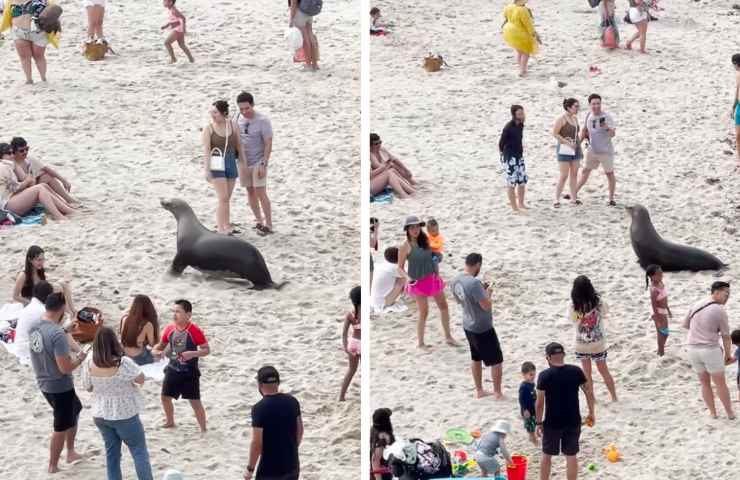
{"points": [[176, 206], [637, 211]]}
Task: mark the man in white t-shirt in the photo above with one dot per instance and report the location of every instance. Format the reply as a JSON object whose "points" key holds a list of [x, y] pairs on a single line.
{"points": [[388, 284], [30, 314]]}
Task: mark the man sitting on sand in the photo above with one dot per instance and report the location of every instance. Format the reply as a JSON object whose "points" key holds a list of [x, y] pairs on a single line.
{"points": [[277, 431], [475, 299], [388, 284], [50, 358], [183, 342]]}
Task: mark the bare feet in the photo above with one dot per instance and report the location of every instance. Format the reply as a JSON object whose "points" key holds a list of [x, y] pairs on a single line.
{"points": [[168, 424], [523, 207], [498, 396], [480, 393], [423, 346], [53, 469], [451, 342], [628, 46], [73, 457]]}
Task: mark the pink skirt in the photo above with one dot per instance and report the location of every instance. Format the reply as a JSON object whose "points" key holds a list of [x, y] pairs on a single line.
{"points": [[428, 286]]}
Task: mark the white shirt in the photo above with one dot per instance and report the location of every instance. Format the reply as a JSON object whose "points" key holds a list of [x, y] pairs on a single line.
{"points": [[384, 278], [115, 397], [30, 314]]}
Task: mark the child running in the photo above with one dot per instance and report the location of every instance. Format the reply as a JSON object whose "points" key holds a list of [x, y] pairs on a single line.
{"points": [[490, 445], [176, 22], [527, 400], [735, 337], [659, 301], [351, 342]]}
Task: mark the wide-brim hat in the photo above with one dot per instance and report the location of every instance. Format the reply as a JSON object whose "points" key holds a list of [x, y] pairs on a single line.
{"points": [[413, 220], [502, 426]]}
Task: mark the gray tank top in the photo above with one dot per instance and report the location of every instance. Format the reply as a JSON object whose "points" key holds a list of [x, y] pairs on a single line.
{"points": [[420, 263]]}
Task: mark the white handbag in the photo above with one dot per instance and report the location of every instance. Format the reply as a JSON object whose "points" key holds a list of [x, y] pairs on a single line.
{"points": [[218, 157]]}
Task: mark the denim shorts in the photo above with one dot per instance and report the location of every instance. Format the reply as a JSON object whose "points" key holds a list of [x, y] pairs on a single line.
{"points": [[230, 170]]}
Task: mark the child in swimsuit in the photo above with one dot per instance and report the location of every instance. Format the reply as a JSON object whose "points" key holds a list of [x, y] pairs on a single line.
{"points": [[659, 301], [436, 241], [175, 22], [351, 342]]}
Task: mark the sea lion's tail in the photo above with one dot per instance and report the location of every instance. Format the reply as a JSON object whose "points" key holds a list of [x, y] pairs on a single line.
{"points": [[279, 285]]}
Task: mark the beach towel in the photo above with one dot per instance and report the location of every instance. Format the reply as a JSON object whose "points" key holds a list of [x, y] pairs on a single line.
{"points": [[154, 371], [383, 198]]}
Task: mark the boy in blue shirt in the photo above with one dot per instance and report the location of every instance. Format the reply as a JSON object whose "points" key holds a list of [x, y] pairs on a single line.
{"points": [[527, 399]]}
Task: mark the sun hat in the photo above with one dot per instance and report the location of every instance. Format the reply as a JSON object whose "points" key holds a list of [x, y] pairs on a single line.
{"points": [[412, 220], [554, 348], [268, 374], [502, 426], [173, 475]]}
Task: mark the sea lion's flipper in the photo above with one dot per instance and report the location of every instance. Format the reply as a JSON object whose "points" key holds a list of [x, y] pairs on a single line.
{"points": [[178, 266]]}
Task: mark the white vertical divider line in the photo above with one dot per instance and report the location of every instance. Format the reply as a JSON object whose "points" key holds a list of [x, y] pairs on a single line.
{"points": [[364, 25]]}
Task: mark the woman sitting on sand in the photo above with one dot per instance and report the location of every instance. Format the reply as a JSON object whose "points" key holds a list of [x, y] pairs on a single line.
{"points": [[519, 33], [34, 272], [588, 313], [20, 197], [116, 403], [384, 174], [140, 329], [569, 154], [351, 341], [30, 41], [422, 277], [24, 166], [639, 17], [381, 436], [380, 156], [221, 147]]}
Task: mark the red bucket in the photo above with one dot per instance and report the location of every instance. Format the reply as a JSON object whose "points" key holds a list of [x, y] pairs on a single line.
{"points": [[518, 468]]}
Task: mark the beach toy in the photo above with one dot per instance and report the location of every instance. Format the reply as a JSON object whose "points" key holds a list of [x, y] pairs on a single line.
{"points": [[612, 453], [459, 456], [591, 467], [458, 435], [475, 433], [518, 468], [294, 38], [610, 38]]}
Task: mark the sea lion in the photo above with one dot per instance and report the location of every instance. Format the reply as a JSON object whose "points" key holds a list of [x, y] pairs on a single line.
{"points": [[651, 249], [208, 251]]}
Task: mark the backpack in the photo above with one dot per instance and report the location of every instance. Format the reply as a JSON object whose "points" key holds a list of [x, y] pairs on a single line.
{"points": [[594, 3], [310, 7], [432, 461]]}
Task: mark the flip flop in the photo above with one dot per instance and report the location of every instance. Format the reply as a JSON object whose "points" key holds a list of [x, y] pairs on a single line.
{"points": [[578, 202], [612, 203]]}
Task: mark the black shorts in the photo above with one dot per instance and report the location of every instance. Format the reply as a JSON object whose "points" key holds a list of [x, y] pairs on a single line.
{"points": [[555, 440], [67, 408], [286, 476], [179, 384], [484, 347]]}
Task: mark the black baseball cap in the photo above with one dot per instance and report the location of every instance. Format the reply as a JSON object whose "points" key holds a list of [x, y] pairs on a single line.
{"points": [[554, 348], [268, 374]]}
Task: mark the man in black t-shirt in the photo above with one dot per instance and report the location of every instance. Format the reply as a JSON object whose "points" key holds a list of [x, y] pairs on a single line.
{"points": [[277, 431], [557, 396]]}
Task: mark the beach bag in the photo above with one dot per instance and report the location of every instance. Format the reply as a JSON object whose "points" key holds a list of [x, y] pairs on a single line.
{"points": [[594, 3], [95, 51], [49, 19], [86, 325], [294, 39], [310, 7], [610, 37], [432, 461], [433, 63], [218, 157]]}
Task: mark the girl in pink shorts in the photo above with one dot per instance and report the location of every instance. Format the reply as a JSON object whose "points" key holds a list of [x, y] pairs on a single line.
{"points": [[175, 22], [352, 342]]}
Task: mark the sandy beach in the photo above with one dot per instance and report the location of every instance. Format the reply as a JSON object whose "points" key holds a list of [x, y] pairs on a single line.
{"points": [[675, 155], [126, 132]]}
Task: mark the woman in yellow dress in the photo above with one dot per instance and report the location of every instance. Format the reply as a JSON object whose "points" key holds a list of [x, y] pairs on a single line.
{"points": [[519, 33]]}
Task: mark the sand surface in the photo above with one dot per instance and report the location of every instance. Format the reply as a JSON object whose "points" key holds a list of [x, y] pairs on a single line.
{"points": [[126, 132], [673, 134]]}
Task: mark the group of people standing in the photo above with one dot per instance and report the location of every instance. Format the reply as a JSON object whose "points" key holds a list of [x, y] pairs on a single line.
{"points": [[598, 132], [238, 146]]}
